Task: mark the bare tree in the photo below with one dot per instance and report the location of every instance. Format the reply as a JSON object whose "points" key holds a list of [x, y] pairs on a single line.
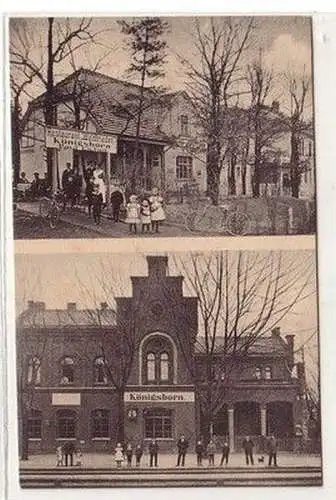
{"points": [[298, 90], [64, 37], [242, 296], [214, 82]]}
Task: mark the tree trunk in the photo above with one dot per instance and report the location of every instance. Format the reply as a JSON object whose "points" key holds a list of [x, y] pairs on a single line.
{"points": [[121, 418], [213, 171], [16, 137], [294, 165], [232, 175], [257, 167], [49, 105]]}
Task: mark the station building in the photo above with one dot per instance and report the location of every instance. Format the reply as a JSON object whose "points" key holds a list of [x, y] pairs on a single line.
{"points": [[79, 377]]}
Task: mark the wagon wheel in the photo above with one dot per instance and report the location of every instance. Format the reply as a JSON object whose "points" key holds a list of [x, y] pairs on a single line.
{"points": [[238, 224]]}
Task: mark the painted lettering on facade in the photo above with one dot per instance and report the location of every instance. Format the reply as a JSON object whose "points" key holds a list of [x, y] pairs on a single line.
{"points": [[79, 140], [173, 397]]}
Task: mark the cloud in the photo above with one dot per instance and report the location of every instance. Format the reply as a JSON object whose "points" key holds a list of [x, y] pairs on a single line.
{"points": [[289, 54]]}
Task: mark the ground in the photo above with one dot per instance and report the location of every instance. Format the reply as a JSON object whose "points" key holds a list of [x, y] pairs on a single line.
{"points": [[266, 216]]}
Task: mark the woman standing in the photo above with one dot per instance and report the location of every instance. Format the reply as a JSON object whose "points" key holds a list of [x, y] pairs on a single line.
{"points": [[157, 212]]}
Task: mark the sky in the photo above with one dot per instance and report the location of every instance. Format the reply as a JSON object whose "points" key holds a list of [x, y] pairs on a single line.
{"points": [[285, 43]]}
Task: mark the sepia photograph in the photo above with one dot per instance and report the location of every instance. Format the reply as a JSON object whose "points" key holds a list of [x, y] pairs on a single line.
{"points": [[162, 126], [168, 369]]}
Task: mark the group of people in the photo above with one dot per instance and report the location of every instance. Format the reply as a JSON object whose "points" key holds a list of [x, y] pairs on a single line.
{"points": [[65, 455], [35, 188], [149, 212]]}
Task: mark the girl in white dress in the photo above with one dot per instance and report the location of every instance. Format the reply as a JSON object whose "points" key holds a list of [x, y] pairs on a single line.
{"points": [[145, 216], [133, 213], [119, 455], [157, 212]]}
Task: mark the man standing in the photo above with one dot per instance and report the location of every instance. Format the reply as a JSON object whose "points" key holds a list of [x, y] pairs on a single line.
{"points": [[248, 449], [225, 453], [65, 177], [272, 451], [117, 200], [68, 452], [153, 453], [182, 447]]}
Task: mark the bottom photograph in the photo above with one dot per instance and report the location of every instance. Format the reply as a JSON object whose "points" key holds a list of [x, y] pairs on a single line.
{"points": [[170, 369]]}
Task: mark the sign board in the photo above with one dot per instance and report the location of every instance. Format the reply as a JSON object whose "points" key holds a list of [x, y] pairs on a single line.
{"points": [[66, 399], [79, 140], [159, 397]]}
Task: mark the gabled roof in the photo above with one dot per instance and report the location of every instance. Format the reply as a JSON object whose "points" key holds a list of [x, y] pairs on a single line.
{"points": [[111, 102], [63, 318], [270, 344]]}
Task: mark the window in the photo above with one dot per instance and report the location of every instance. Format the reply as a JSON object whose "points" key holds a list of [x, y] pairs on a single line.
{"points": [[158, 423], [35, 424], [258, 373], [100, 371], [164, 366], [34, 371], [28, 137], [150, 366], [301, 146], [184, 125], [156, 160], [67, 371], [100, 424], [310, 149], [268, 373], [158, 361], [66, 424], [184, 167]]}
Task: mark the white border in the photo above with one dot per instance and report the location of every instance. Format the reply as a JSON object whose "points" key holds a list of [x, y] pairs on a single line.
{"points": [[325, 89]]}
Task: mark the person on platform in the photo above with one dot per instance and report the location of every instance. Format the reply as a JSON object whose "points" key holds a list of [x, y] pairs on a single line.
{"points": [[59, 456], [225, 453], [133, 213], [153, 453], [138, 455], [248, 446], [117, 200], [68, 452], [272, 451], [211, 450], [199, 452], [129, 454], [119, 455], [182, 447], [157, 212]]}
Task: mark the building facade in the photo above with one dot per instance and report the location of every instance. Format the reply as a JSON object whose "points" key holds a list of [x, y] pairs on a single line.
{"points": [[81, 372]]}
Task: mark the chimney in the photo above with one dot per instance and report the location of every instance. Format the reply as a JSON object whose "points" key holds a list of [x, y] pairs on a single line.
{"points": [[31, 304], [275, 106], [290, 341], [36, 306], [103, 306], [71, 306], [157, 266], [276, 331]]}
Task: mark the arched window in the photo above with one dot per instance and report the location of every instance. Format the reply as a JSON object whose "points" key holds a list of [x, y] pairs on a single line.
{"points": [[34, 371], [66, 424], [35, 424], [164, 366], [258, 373], [157, 361], [100, 371], [67, 371], [100, 424], [268, 373], [151, 366]]}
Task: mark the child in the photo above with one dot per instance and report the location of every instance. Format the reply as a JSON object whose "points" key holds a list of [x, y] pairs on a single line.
{"points": [[79, 457], [145, 214], [133, 213], [138, 455], [129, 454], [157, 212], [59, 456], [119, 456]]}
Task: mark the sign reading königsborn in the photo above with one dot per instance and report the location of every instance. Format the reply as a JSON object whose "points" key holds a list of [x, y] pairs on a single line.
{"points": [[158, 397], [81, 141]]}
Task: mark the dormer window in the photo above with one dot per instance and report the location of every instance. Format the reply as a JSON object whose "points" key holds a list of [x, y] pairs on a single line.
{"points": [[268, 373], [67, 371], [257, 373], [34, 371], [100, 371]]}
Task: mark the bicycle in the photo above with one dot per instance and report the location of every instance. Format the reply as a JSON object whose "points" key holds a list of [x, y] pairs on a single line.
{"points": [[235, 223], [50, 208]]}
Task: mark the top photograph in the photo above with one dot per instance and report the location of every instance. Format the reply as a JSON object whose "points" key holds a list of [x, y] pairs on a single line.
{"points": [[143, 127]]}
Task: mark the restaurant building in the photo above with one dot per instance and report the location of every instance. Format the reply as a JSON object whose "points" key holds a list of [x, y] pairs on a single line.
{"points": [[81, 371]]}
